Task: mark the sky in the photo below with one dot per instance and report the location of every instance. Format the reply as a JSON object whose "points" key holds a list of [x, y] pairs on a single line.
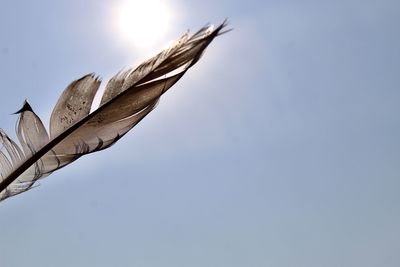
{"points": [[279, 148]]}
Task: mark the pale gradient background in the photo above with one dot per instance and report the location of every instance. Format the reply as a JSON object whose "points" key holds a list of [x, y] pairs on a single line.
{"points": [[280, 148]]}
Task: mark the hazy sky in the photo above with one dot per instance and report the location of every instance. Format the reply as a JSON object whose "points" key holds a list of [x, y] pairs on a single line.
{"points": [[280, 148]]}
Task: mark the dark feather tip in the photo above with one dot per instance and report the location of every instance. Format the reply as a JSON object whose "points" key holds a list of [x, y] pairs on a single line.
{"points": [[25, 107]]}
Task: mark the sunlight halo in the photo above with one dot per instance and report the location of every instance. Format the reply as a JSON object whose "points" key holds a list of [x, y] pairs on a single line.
{"points": [[143, 23]]}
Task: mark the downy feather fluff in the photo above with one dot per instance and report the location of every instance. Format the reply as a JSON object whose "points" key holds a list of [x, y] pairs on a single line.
{"points": [[73, 131]]}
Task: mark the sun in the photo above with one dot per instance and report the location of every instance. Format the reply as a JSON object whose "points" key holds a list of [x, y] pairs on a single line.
{"points": [[143, 23]]}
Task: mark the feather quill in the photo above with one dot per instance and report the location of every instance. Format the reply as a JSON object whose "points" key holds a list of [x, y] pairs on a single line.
{"points": [[128, 97]]}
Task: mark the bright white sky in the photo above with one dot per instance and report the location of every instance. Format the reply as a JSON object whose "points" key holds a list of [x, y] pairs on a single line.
{"points": [[143, 24], [280, 148]]}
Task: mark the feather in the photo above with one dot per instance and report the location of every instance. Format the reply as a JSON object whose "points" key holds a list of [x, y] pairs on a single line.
{"points": [[73, 132]]}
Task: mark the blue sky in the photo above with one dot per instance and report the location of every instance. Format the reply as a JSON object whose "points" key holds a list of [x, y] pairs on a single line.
{"points": [[280, 148]]}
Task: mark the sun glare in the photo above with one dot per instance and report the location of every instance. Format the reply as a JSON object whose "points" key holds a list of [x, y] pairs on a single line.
{"points": [[143, 23]]}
